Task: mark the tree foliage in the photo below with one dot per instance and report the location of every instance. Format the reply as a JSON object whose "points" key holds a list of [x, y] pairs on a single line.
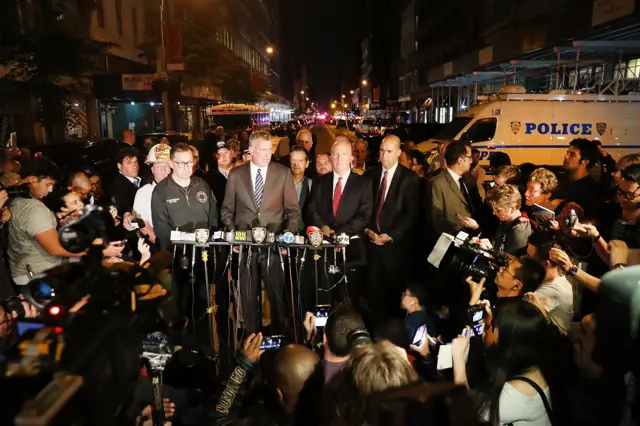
{"points": [[206, 60], [51, 61]]}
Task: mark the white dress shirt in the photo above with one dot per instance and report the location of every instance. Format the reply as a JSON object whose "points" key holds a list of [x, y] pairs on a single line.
{"points": [[456, 177], [390, 174], [254, 173], [135, 181], [335, 182]]}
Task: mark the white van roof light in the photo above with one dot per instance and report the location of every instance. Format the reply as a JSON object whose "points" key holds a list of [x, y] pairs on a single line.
{"points": [[512, 89]]}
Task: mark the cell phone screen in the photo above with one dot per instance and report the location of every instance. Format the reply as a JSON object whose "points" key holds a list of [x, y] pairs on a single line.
{"points": [[322, 313], [476, 320], [417, 338], [271, 343]]}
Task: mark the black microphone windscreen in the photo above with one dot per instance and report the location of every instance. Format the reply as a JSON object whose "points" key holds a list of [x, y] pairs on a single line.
{"points": [[243, 227], [255, 223]]}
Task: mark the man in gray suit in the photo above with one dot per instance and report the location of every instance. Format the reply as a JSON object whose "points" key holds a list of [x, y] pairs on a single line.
{"points": [[447, 194], [261, 192]]}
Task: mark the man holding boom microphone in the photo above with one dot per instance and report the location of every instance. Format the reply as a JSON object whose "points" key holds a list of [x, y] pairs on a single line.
{"points": [[261, 193]]}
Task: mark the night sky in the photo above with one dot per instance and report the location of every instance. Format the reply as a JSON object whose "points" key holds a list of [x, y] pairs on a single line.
{"points": [[325, 35]]}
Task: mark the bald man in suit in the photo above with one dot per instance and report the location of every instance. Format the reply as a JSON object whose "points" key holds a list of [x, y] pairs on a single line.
{"points": [[261, 192]]}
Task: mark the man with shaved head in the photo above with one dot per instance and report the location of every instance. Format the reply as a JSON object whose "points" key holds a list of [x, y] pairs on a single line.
{"points": [[295, 366], [80, 184], [341, 202], [391, 228]]}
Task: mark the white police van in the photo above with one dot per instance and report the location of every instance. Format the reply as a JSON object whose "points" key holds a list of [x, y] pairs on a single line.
{"points": [[538, 128]]}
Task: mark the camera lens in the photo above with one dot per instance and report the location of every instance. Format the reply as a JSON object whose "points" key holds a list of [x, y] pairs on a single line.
{"points": [[41, 292]]}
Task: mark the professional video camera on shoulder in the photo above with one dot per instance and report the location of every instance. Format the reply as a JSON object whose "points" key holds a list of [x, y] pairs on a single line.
{"points": [[91, 330], [461, 257]]}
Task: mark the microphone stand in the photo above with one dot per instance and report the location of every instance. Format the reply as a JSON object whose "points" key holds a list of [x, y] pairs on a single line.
{"points": [[205, 258], [293, 309]]}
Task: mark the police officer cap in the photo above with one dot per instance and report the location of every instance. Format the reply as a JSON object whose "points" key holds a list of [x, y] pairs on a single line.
{"points": [[160, 153]]}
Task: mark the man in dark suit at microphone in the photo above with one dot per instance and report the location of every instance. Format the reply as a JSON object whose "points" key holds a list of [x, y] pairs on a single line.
{"points": [[261, 192], [342, 202]]}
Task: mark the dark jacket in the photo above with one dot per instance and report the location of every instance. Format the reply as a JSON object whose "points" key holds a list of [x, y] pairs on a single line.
{"points": [[173, 206], [122, 193], [218, 183]]}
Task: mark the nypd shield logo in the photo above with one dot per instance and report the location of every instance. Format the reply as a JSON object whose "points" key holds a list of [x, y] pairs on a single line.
{"points": [[202, 236], [601, 128], [315, 238], [515, 127], [259, 234]]}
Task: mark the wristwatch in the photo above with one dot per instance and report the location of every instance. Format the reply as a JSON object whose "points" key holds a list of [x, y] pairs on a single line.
{"points": [[573, 270], [620, 265]]}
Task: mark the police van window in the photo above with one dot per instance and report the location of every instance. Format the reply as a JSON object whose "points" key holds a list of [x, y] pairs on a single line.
{"points": [[452, 129], [482, 130]]}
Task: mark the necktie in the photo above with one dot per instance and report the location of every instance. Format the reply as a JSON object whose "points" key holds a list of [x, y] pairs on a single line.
{"points": [[383, 189], [337, 194], [259, 188], [465, 193], [136, 182]]}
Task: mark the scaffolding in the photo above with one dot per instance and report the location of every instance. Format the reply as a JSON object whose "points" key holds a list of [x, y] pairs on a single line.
{"points": [[590, 70]]}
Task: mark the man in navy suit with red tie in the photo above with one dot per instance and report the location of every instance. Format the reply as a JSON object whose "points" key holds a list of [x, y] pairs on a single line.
{"points": [[390, 230], [342, 202]]}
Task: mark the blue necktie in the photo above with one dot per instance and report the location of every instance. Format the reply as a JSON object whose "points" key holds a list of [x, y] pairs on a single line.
{"points": [[259, 188]]}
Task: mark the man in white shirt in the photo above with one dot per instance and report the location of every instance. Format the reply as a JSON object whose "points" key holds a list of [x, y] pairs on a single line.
{"points": [[160, 163], [555, 293]]}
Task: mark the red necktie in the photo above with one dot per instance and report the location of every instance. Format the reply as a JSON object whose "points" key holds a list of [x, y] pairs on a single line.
{"points": [[383, 189], [337, 194]]}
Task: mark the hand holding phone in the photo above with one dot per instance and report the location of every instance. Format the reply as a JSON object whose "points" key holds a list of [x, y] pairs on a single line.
{"points": [[271, 343], [322, 313]]}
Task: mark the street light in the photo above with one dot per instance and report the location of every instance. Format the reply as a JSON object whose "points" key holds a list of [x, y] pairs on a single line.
{"points": [[333, 106], [364, 82], [343, 96], [270, 50], [302, 92], [306, 99], [351, 92]]}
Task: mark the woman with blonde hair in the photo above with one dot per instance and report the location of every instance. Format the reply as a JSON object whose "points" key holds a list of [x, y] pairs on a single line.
{"points": [[514, 230]]}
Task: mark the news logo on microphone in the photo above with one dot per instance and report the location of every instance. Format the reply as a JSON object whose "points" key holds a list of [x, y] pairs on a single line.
{"points": [[258, 233], [315, 236]]}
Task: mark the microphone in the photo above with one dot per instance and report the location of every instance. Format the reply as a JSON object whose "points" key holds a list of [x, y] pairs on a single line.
{"points": [[241, 232], [229, 234], [314, 234], [258, 233], [272, 230]]}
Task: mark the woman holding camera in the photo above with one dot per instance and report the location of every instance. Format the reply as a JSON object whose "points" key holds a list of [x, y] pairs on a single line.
{"points": [[514, 230], [522, 367]]}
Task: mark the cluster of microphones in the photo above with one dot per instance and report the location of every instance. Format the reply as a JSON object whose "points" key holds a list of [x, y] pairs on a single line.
{"points": [[258, 234]]}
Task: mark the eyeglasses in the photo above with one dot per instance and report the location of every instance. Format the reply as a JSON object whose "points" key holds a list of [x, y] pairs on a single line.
{"points": [[627, 195], [505, 268], [184, 163]]}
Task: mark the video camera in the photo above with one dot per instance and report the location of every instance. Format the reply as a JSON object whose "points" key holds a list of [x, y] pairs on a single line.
{"points": [[460, 257], [80, 360], [21, 191]]}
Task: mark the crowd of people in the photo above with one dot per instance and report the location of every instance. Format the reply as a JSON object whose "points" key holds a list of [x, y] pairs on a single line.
{"points": [[401, 344]]}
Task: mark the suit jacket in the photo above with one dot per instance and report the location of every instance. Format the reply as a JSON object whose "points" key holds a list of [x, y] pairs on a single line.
{"points": [[279, 201], [305, 193], [354, 210], [122, 193], [445, 200], [400, 209]]}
